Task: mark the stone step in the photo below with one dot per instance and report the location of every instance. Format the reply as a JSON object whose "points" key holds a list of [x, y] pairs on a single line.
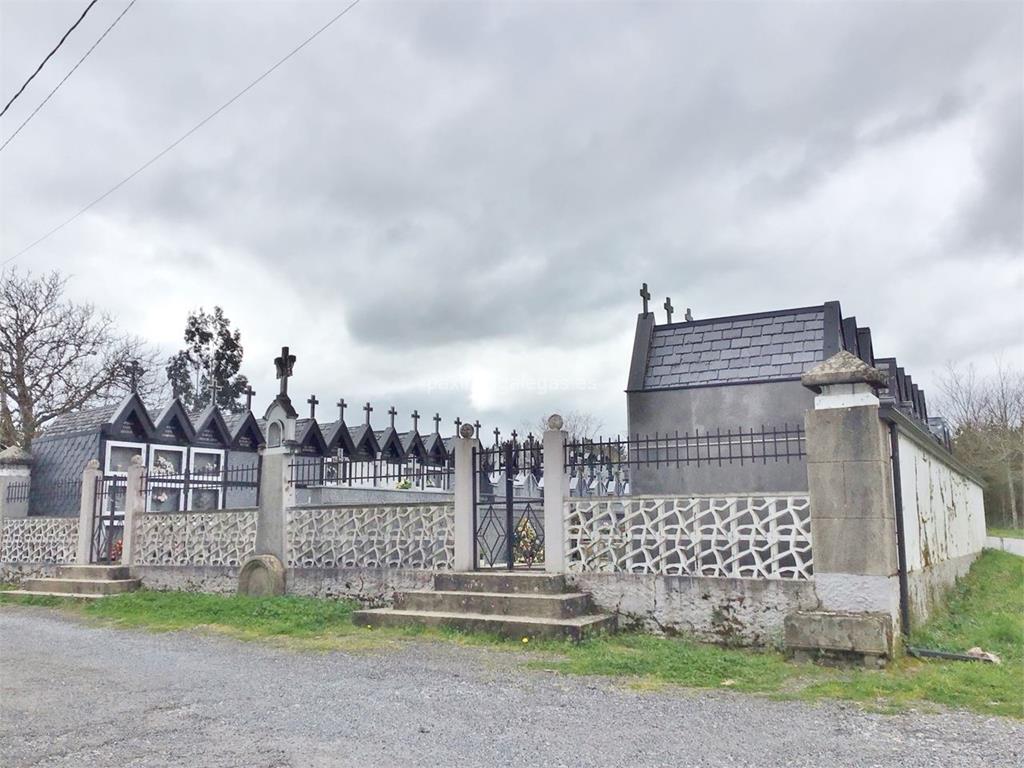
{"points": [[561, 606], [517, 582], [66, 595], [82, 586], [504, 626], [94, 572]]}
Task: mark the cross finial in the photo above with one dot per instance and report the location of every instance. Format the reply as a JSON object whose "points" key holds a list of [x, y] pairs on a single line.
{"points": [[458, 423], [669, 307], [437, 423], [213, 391], [476, 426], [134, 371], [415, 420], [369, 409], [497, 432], [341, 410], [514, 435], [284, 365], [249, 392], [392, 413], [313, 403], [645, 295]]}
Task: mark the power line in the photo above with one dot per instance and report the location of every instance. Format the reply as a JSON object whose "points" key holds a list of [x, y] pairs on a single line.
{"points": [[185, 135], [69, 74], [58, 45]]}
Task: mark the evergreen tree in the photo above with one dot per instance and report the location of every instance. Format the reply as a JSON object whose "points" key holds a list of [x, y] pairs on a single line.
{"points": [[212, 355]]}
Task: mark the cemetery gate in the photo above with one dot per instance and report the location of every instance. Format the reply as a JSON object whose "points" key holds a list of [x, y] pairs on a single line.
{"points": [[508, 505]]}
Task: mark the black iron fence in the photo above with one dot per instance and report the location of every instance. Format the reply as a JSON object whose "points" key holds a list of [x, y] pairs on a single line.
{"points": [[714, 447], [108, 520], [314, 471], [203, 490], [47, 497], [508, 505]]}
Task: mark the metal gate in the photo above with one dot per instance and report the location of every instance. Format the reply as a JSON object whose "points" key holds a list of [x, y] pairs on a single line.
{"points": [[508, 505], [107, 520]]}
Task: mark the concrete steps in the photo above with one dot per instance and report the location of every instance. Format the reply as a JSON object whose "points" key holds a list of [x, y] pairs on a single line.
{"points": [[82, 581], [508, 604]]}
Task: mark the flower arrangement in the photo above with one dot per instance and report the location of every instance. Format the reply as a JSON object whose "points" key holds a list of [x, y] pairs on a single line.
{"points": [[528, 547], [115, 550], [403, 485]]}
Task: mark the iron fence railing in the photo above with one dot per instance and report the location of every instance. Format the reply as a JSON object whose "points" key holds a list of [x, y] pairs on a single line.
{"points": [[313, 471], [202, 490], [717, 447]]}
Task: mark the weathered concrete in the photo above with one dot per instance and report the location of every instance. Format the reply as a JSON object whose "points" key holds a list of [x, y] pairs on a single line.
{"points": [[556, 488], [574, 629], [865, 635], [331, 495], [262, 576], [373, 587], [1013, 546], [464, 531], [727, 611]]}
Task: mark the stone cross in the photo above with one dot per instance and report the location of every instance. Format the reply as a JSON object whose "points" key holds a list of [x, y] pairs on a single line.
{"points": [[437, 423], [369, 409], [476, 426], [458, 424], [392, 413], [341, 410], [645, 295], [514, 435], [213, 390], [669, 307], [416, 421], [284, 365], [313, 403], [249, 392], [134, 371]]}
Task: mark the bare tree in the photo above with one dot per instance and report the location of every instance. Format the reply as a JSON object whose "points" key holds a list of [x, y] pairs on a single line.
{"points": [[579, 424], [987, 415], [57, 356]]}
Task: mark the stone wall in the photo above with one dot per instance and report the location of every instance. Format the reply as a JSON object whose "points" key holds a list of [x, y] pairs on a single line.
{"points": [[46, 540], [943, 518], [726, 611]]}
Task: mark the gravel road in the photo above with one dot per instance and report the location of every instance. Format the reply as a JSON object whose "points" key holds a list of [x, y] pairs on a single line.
{"points": [[78, 695]]}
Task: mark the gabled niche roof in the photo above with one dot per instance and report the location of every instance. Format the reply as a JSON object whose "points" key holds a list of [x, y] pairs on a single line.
{"points": [[412, 445], [212, 419], [131, 411], [244, 425], [337, 436], [174, 415], [308, 435], [364, 440], [435, 447], [390, 444]]}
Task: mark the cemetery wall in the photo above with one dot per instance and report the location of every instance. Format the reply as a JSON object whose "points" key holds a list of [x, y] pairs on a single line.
{"points": [[237, 498], [341, 495], [772, 404]]}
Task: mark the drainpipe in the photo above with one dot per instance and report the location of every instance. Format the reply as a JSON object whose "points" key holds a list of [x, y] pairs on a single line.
{"points": [[901, 542]]}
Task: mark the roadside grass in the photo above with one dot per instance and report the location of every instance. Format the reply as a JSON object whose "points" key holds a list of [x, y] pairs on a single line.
{"points": [[1007, 533], [986, 609]]}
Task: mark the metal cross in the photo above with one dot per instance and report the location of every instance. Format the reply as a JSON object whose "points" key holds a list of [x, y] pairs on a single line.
{"points": [[249, 392], [669, 307], [134, 371], [645, 295], [213, 390], [369, 409], [392, 413], [341, 410], [313, 403], [496, 433], [415, 421], [458, 425], [284, 365], [476, 426], [514, 435], [437, 423]]}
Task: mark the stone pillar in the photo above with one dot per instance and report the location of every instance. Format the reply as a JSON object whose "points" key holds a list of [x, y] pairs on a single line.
{"points": [[134, 505], [556, 488], [464, 533], [277, 494], [853, 523], [15, 469], [86, 505]]}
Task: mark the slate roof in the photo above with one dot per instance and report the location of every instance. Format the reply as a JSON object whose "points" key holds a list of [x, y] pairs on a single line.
{"points": [[768, 346], [82, 421]]}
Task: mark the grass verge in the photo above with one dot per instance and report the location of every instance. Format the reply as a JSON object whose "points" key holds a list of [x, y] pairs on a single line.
{"points": [[986, 609], [1007, 533]]}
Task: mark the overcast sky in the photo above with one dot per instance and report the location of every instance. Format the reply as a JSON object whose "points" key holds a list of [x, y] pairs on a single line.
{"points": [[451, 206]]}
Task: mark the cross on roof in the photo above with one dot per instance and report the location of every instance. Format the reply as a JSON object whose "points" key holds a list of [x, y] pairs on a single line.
{"points": [[645, 295], [669, 307], [392, 413], [458, 423], [249, 392], [514, 435], [283, 365], [134, 371], [313, 403], [415, 420], [476, 426], [369, 409], [497, 432], [437, 423], [341, 410], [213, 390]]}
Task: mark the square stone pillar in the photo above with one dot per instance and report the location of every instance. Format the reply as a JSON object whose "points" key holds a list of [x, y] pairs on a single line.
{"points": [[853, 519], [556, 488], [464, 530], [91, 476], [134, 505], [277, 494]]}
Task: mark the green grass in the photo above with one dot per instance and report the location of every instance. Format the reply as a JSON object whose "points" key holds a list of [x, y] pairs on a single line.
{"points": [[1007, 533], [986, 609]]}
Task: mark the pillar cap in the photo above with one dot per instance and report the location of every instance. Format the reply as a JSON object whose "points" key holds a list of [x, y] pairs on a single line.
{"points": [[843, 368], [16, 456]]}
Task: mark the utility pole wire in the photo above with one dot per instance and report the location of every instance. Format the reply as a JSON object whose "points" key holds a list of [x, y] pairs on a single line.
{"points": [[185, 135], [58, 45], [69, 74]]}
